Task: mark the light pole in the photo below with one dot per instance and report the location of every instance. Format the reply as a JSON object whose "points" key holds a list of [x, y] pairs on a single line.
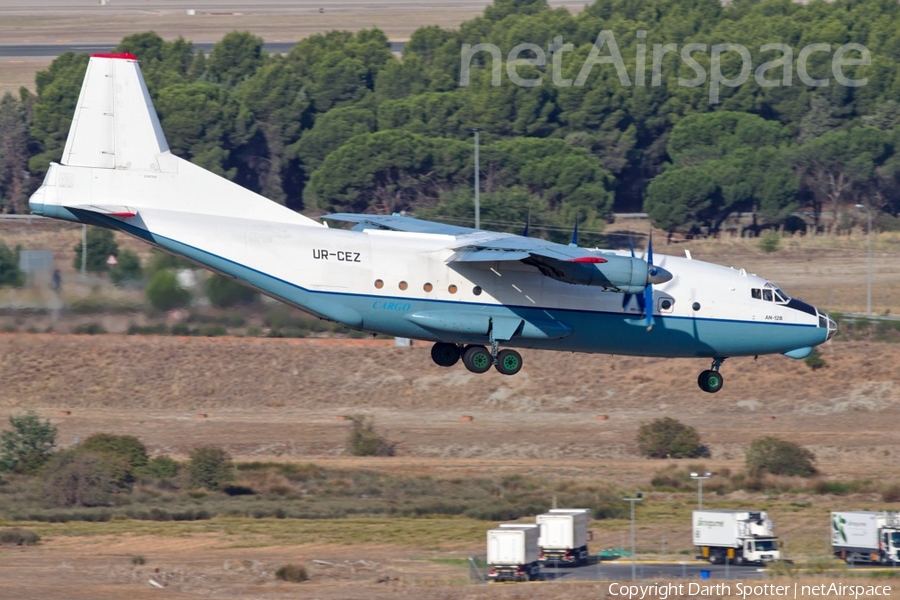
{"points": [[637, 498], [869, 267], [700, 477], [477, 176]]}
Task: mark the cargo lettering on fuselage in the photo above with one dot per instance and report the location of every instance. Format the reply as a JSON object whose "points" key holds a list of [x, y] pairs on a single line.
{"points": [[339, 255]]}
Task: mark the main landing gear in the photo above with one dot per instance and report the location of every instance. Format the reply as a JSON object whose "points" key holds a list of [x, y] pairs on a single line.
{"points": [[477, 359], [711, 380]]}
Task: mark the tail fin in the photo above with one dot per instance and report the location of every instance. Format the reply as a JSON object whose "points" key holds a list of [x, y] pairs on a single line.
{"points": [[112, 127], [117, 163]]}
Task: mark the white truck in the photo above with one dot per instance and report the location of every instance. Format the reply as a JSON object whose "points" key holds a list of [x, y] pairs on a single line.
{"points": [[564, 536], [866, 536], [738, 536], [512, 553]]}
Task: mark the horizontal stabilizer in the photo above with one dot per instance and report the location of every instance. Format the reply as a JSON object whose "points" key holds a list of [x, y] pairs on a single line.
{"points": [[110, 211]]}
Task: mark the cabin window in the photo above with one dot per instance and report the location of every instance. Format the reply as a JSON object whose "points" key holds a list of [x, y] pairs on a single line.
{"points": [[756, 293], [379, 284], [427, 287], [767, 295], [666, 305], [403, 285], [476, 290], [452, 289]]}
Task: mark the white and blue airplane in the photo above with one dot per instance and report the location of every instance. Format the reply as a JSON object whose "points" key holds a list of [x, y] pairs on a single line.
{"points": [[476, 294]]}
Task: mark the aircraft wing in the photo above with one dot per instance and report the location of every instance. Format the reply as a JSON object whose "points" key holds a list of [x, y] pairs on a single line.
{"points": [[570, 264], [515, 247], [397, 222]]}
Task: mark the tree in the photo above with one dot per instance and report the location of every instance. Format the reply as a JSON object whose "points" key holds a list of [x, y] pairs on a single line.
{"points": [[126, 447], [165, 293], [204, 123], [235, 58], [770, 454], [224, 292], [668, 438], [28, 445], [10, 274], [15, 119], [74, 478], [101, 243], [210, 467], [365, 441], [127, 268], [386, 172], [57, 90], [681, 199]]}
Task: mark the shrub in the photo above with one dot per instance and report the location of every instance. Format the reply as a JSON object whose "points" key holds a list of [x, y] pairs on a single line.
{"points": [[224, 292], [770, 454], [18, 537], [165, 293], [160, 466], [770, 241], [127, 447], [127, 269], [10, 275], [365, 441], [815, 361], [891, 493], [138, 560], [28, 445], [210, 468], [292, 573], [668, 438], [100, 244], [73, 478], [89, 329]]}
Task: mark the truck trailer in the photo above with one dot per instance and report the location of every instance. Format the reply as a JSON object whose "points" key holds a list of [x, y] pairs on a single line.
{"points": [[564, 536], [866, 536], [739, 536], [512, 553]]}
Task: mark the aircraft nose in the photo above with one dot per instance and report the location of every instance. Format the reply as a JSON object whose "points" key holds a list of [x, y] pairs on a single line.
{"points": [[826, 321], [657, 275]]}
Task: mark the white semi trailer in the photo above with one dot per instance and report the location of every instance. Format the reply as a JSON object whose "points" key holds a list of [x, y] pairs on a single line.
{"points": [[866, 536], [738, 536], [512, 553], [564, 536]]}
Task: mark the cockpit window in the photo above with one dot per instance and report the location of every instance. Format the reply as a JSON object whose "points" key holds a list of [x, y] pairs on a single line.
{"points": [[770, 293]]}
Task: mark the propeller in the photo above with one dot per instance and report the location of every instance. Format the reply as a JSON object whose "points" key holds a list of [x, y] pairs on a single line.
{"points": [[575, 233], [527, 223], [654, 275]]}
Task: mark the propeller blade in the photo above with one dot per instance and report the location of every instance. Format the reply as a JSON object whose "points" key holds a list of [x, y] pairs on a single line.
{"points": [[575, 233], [650, 250], [527, 223], [648, 306], [631, 245]]}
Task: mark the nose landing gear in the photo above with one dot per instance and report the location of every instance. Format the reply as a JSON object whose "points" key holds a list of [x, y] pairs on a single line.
{"points": [[711, 380]]}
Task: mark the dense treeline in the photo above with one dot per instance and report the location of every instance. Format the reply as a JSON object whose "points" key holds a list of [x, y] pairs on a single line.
{"points": [[339, 123]]}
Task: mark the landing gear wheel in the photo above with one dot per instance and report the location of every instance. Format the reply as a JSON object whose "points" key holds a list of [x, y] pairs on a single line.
{"points": [[477, 359], [710, 381], [509, 362], [444, 354]]}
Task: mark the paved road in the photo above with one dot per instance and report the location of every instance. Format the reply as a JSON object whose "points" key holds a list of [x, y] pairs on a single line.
{"points": [[621, 571], [36, 50]]}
